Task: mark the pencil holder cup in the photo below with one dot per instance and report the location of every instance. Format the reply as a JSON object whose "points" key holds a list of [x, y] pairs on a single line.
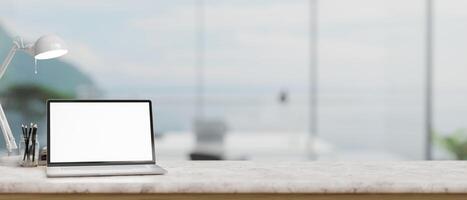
{"points": [[29, 151]]}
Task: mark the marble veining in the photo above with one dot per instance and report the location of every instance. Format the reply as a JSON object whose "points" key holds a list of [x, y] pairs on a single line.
{"points": [[256, 177]]}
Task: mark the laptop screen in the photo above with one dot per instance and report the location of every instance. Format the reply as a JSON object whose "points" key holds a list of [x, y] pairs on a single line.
{"points": [[100, 132]]}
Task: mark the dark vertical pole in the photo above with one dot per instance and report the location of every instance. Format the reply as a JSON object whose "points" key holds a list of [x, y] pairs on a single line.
{"points": [[313, 62], [429, 79], [199, 57]]}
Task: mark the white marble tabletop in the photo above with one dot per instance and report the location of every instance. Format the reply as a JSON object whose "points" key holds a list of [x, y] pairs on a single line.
{"points": [[256, 177]]}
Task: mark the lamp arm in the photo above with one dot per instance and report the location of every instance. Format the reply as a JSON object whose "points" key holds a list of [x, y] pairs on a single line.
{"points": [[8, 59], [5, 127], [7, 134]]}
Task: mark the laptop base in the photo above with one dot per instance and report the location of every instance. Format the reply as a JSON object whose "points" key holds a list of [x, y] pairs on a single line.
{"points": [[104, 170]]}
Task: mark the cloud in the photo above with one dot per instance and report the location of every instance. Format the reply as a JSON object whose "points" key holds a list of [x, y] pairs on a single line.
{"points": [[86, 57]]}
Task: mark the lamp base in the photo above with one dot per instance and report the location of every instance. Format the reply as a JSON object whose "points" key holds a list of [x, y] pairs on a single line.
{"points": [[10, 161]]}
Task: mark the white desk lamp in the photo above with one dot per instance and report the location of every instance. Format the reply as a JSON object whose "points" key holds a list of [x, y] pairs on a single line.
{"points": [[46, 47]]}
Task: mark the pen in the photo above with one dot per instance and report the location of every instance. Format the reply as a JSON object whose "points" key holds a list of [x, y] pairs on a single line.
{"points": [[29, 145], [26, 141], [29, 140], [24, 131], [33, 140]]}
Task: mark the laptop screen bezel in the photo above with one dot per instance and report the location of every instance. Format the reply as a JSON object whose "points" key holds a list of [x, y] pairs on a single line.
{"points": [[49, 146]]}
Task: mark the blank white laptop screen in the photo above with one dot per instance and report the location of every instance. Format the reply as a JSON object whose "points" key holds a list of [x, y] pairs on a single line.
{"points": [[100, 132]]}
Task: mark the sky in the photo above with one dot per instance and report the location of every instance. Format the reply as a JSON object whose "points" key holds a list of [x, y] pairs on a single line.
{"points": [[154, 40], [262, 43]]}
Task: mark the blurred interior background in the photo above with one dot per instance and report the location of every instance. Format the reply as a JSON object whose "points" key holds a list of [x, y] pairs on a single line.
{"points": [[256, 79]]}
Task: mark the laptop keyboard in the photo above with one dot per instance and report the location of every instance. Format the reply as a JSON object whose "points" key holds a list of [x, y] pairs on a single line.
{"points": [[105, 168]]}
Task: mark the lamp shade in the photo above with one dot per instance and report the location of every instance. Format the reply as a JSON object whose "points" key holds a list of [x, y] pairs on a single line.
{"points": [[49, 46]]}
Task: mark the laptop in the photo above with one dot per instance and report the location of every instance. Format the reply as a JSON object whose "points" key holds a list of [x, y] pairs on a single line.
{"points": [[100, 138]]}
